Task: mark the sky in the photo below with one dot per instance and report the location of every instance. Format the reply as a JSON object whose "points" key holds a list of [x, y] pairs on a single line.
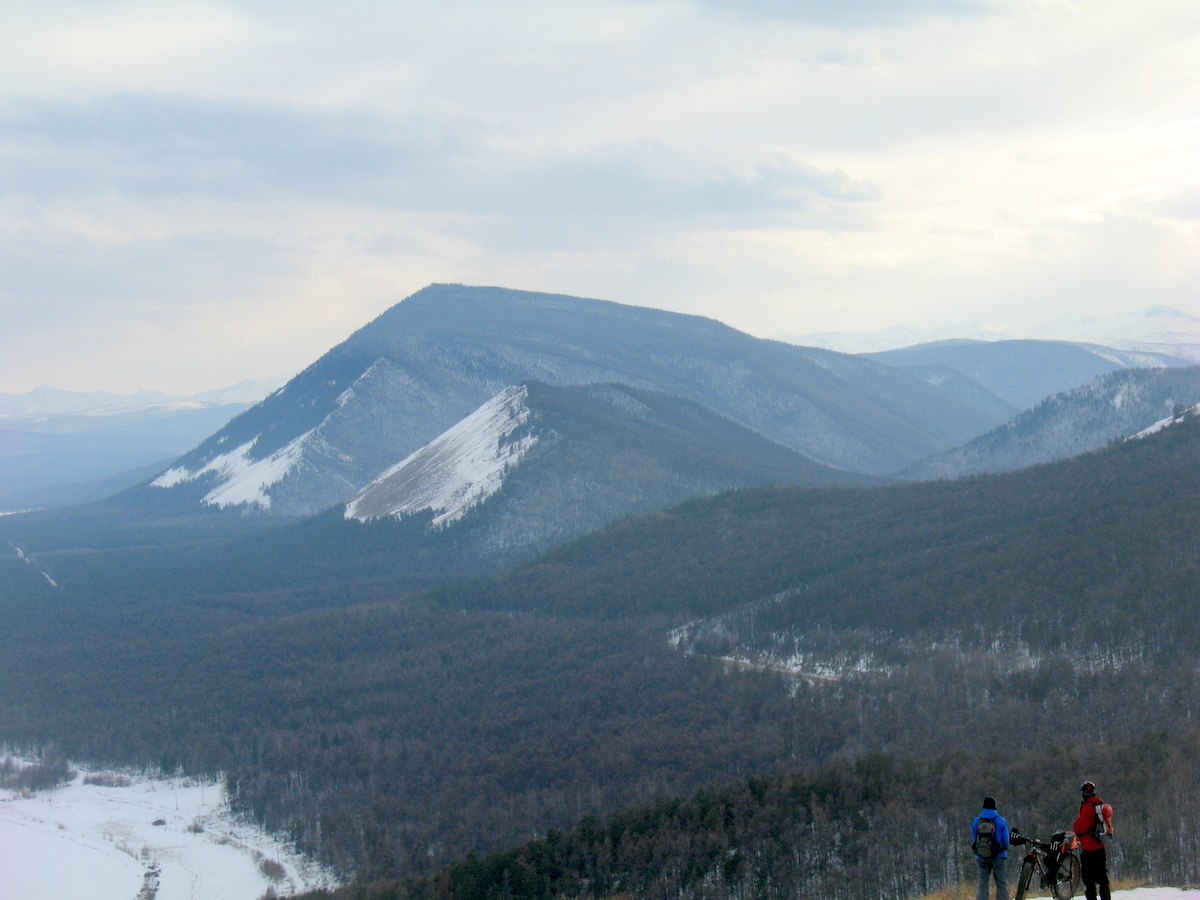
{"points": [[197, 193]]}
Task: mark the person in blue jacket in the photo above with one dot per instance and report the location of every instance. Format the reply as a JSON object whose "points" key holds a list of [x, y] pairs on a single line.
{"points": [[993, 859]]}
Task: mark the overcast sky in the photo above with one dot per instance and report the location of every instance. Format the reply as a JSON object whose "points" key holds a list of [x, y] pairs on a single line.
{"points": [[196, 193]]}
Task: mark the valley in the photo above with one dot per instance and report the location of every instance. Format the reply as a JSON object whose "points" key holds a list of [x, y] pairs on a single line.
{"points": [[407, 651]]}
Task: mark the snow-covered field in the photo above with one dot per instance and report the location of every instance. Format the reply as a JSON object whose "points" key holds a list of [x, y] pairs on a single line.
{"points": [[140, 839]]}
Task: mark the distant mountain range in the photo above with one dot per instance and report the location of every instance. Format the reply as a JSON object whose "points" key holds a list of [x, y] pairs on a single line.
{"points": [[1155, 329], [59, 448], [1021, 372], [45, 403]]}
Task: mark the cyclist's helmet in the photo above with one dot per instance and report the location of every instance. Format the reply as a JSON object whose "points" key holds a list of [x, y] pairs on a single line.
{"points": [[1088, 789]]}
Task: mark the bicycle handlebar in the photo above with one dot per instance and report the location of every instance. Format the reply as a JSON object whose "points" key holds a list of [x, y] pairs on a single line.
{"points": [[1016, 839]]}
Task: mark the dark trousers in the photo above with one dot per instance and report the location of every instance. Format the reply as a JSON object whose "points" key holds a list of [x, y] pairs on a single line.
{"points": [[1093, 866]]}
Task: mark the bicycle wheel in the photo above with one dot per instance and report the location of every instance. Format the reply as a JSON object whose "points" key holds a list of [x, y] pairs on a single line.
{"points": [[1066, 880], [1023, 881]]}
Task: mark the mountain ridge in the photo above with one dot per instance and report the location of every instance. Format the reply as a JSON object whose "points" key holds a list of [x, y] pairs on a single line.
{"points": [[539, 465], [423, 365]]}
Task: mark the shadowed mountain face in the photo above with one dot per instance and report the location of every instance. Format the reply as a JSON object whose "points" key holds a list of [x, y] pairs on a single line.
{"points": [[433, 359]]}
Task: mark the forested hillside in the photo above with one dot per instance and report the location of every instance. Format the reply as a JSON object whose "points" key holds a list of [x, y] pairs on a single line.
{"points": [[763, 632], [1111, 407], [879, 826]]}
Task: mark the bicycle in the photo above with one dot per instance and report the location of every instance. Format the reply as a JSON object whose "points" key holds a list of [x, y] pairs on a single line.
{"points": [[1055, 863]]}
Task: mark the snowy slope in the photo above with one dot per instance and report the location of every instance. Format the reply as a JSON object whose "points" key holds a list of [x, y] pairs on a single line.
{"points": [[456, 471], [1168, 422], [537, 465], [240, 479]]}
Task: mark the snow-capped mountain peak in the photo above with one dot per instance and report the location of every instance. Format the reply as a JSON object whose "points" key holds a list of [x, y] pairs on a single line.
{"points": [[456, 471]]}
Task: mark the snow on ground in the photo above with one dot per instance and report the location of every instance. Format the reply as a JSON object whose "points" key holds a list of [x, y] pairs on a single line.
{"points": [[1154, 894], [102, 842]]}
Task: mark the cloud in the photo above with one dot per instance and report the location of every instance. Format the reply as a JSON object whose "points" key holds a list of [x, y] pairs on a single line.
{"points": [[80, 278], [152, 146], [841, 14], [785, 166]]}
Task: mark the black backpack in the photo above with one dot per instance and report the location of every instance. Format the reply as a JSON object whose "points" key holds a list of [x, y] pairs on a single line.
{"points": [[985, 845]]}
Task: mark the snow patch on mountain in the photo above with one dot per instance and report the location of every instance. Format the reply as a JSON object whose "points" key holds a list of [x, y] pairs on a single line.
{"points": [[456, 471], [1167, 422], [349, 393], [29, 562], [241, 479]]}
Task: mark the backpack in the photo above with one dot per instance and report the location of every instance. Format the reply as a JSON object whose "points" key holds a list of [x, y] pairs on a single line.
{"points": [[985, 845], [1102, 828]]}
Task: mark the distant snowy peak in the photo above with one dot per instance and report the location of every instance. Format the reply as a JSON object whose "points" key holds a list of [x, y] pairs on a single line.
{"points": [[48, 401], [1154, 328], [456, 471], [240, 479]]}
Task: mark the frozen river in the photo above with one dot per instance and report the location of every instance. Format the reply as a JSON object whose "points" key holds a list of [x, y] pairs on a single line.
{"points": [[140, 839]]}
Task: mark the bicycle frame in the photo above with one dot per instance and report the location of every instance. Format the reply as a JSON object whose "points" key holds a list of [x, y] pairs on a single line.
{"points": [[1055, 863]]}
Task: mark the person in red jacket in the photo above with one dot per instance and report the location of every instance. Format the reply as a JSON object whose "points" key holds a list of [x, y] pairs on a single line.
{"points": [[1093, 861]]}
